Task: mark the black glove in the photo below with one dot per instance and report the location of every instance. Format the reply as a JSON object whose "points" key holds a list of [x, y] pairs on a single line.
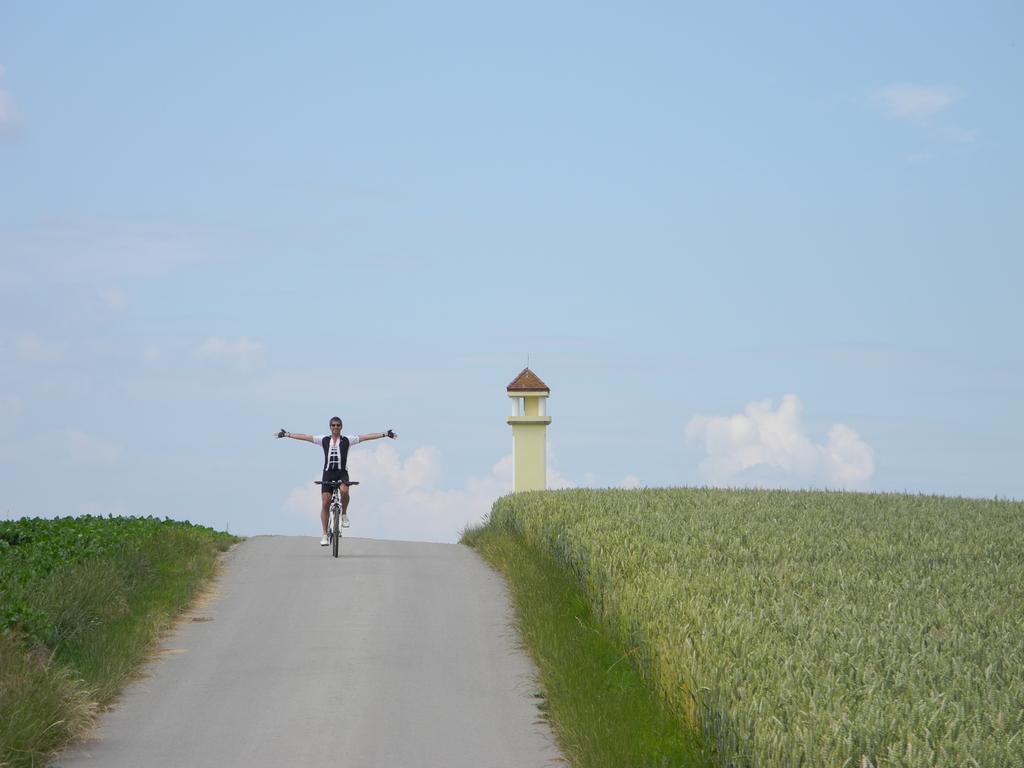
{"points": [[281, 433], [390, 433]]}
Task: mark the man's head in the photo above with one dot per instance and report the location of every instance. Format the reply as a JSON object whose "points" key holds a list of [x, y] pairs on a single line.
{"points": [[335, 424]]}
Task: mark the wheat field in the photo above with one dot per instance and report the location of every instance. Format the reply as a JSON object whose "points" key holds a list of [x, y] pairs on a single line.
{"points": [[808, 628]]}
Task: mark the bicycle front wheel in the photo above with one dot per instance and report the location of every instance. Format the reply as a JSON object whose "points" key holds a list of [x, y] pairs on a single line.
{"points": [[336, 540]]}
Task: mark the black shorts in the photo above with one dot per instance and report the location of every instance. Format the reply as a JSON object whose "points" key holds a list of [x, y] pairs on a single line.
{"points": [[334, 474]]}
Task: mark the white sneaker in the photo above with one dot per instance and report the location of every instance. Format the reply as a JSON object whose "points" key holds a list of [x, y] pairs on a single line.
{"points": [[344, 521], [324, 542]]}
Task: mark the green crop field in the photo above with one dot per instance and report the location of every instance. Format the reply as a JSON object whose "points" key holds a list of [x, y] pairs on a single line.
{"points": [[81, 602], [808, 628]]}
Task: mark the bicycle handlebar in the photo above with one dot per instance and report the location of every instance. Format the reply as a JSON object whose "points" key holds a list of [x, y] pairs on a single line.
{"points": [[335, 483]]}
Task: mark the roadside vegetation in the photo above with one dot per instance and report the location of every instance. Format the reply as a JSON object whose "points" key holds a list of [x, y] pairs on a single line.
{"points": [[82, 601], [801, 628], [602, 711]]}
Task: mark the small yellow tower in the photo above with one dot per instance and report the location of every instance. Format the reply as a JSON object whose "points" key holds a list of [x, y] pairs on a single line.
{"points": [[529, 422]]}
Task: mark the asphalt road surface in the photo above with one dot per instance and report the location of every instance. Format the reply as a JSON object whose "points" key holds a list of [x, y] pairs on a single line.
{"points": [[396, 654]]}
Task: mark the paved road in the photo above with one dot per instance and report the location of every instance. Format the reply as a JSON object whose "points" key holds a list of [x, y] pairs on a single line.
{"points": [[397, 654]]}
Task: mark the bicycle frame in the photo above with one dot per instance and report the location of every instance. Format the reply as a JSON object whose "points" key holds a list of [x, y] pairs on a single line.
{"points": [[334, 513]]}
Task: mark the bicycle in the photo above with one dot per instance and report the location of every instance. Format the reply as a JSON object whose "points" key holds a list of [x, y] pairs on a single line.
{"points": [[334, 521]]}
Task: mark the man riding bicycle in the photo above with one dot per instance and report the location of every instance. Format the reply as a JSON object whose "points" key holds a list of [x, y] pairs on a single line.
{"points": [[335, 446]]}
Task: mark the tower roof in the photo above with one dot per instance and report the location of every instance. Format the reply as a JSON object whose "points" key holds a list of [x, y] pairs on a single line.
{"points": [[527, 381]]}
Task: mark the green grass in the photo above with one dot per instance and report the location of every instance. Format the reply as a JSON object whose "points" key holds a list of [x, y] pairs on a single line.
{"points": [[83, 601], [807, 628], [603, 713]]}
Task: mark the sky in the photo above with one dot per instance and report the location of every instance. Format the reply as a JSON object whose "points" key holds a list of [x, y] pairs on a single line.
{"points": [[745, 244]]}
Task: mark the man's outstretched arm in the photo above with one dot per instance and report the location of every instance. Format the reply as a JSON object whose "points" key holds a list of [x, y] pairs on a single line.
{"points": [[378, 435], [294, 436]]}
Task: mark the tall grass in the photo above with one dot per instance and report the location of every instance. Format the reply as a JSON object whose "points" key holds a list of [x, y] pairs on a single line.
{"points": [[77, 629], [602, 712], [808, 628], [42, 704]]}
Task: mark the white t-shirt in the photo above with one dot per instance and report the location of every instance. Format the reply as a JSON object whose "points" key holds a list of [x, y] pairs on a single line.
{"points": [[333, 457]]}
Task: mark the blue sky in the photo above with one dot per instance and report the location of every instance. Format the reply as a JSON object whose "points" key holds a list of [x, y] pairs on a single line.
{"points": [[743, 245]]}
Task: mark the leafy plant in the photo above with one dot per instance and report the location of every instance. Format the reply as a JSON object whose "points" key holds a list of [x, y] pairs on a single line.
{"points": [[81, 600]]}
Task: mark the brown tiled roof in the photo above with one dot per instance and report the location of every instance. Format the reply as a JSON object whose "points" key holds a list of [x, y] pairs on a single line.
{"points": [[527, 381]]}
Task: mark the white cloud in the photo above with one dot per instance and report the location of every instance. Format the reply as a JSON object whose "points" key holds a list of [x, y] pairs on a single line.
{"points": [[907, 101], [397, 497], [629, 482], [303, 502], [99, 252], [769, 447], [111, 298], [383, 464], [555, 480], [850, 461], [243, 352], [34, 349], [960, 136]]}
